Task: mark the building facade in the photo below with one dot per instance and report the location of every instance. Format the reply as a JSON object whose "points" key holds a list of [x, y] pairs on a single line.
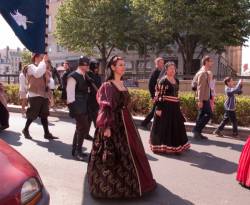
{"points": [[10, 60]]}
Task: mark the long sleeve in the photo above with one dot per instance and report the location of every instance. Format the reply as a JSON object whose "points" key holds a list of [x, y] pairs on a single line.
{"points": [[37, 71], [160, 90], [235, 90], [152, 82], [203, 90], [104, 98], [71, 84], [22, 83]]}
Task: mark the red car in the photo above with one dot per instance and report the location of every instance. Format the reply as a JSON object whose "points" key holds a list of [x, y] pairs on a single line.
{"points": [[20, 183]]}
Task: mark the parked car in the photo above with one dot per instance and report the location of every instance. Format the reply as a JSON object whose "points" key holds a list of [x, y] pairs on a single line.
{"points": [[20, 183]]}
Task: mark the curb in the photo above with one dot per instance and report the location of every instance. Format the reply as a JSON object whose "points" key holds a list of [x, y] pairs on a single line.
{"points": [[244, 132]]}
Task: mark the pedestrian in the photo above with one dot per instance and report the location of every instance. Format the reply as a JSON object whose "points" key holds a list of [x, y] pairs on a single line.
{"points": [[168, 133], [159, 65], [38, 93], [77, 99], [51, 85], [55, 75], [243, 173], [23, 89], [64, 80], [93, 106], [230, 106], [118, 166], [203, 97], [212, 90], [4, 117]]}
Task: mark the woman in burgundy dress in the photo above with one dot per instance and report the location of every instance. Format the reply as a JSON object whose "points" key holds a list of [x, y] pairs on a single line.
{"points": [[243, 174], [118, 166], [168, 133], [4, 113]]}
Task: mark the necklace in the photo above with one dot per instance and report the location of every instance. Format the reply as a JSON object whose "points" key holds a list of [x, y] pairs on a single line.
{"points": [[171, 80], [119, 85]]}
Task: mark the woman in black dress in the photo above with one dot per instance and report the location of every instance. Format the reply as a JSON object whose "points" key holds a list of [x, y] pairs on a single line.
{"points": [[168, 133]]}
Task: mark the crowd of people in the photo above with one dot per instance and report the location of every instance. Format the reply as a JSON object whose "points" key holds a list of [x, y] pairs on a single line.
{"points": [[117, 164]]}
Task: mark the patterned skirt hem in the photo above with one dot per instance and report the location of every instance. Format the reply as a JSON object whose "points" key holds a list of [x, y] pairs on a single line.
{"points": [[169, 149]]}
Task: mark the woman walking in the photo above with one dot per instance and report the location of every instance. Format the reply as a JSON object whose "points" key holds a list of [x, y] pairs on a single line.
{"points": [[4, 117], [118, 166], [168, 134], [243, 174], [23, 89]]}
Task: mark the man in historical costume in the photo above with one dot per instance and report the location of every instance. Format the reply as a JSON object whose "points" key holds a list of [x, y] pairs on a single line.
{"points": [[95, 83], [38, 93], [77, 100], [203, 96], [4, 117], [159, 65]]}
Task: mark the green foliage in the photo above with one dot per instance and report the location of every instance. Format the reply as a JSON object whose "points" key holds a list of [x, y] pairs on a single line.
{"points": [[26, 57], [12, 93], [141, 104], [140, 101], [200, 23], [93, 25]]}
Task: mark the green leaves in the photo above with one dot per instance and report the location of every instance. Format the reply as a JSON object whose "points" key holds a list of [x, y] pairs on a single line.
{"points": [[207, 24], [92, 25]]}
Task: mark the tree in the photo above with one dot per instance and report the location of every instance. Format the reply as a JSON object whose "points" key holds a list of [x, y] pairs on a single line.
{"points": [[26, 57], [144, 35], [206, 24], [93, 26]]}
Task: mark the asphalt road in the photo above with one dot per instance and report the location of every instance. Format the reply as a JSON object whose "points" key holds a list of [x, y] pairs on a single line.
{"points": [[205, 175]]}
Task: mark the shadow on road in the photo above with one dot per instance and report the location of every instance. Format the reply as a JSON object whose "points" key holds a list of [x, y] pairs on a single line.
{"points": [[57, 147], [160, 196], [151, 158], [236, 147], [206, 161], [11, 137]]}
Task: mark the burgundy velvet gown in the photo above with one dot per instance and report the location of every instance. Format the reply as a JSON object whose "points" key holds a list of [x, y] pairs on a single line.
{"points": [[4, 113], [243, 174], [127, 173]]}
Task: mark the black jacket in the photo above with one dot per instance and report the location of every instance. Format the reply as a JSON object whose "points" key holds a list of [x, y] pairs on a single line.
{"points": [[80, 105], [64, 84], [152, 81], [96, 79]]}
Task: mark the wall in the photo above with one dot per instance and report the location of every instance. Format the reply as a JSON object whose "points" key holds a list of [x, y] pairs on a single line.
{"points": [[185, 85]]}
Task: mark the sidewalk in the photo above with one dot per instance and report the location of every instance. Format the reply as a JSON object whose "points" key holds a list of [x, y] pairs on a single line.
{"points": [[63, 113]]}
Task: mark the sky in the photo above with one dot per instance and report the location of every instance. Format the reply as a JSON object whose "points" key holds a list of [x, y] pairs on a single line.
{"points": [[7, 37]]}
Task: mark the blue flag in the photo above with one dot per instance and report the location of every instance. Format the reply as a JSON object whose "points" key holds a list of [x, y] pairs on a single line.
{"points": [[27, 18]]}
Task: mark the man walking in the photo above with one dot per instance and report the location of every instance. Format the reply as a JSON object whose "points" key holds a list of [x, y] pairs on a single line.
{"points": [[159, 65], [64, 80], [95, 83], [77, 100], [203, 97], [38, 93]]}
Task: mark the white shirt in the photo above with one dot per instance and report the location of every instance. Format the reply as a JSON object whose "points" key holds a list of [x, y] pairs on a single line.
{"points": [[71, 85], [37, 72], [52, 84], [22, 83]]}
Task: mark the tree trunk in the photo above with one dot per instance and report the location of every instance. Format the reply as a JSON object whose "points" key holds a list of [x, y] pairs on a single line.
{"points": [[187, 45]]}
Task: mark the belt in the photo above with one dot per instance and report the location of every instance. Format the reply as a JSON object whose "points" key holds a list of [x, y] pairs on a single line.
{"points": [[170, 98]]}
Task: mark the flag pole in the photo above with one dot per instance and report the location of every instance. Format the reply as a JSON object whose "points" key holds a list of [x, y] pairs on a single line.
{"points": [[47, 26]]}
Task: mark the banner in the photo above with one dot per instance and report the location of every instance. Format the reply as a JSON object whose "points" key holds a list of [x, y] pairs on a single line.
{"points": [[27, 18]]}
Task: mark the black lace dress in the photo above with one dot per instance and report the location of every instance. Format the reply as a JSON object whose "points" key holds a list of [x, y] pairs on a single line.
{"points": [[168, 133]]}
